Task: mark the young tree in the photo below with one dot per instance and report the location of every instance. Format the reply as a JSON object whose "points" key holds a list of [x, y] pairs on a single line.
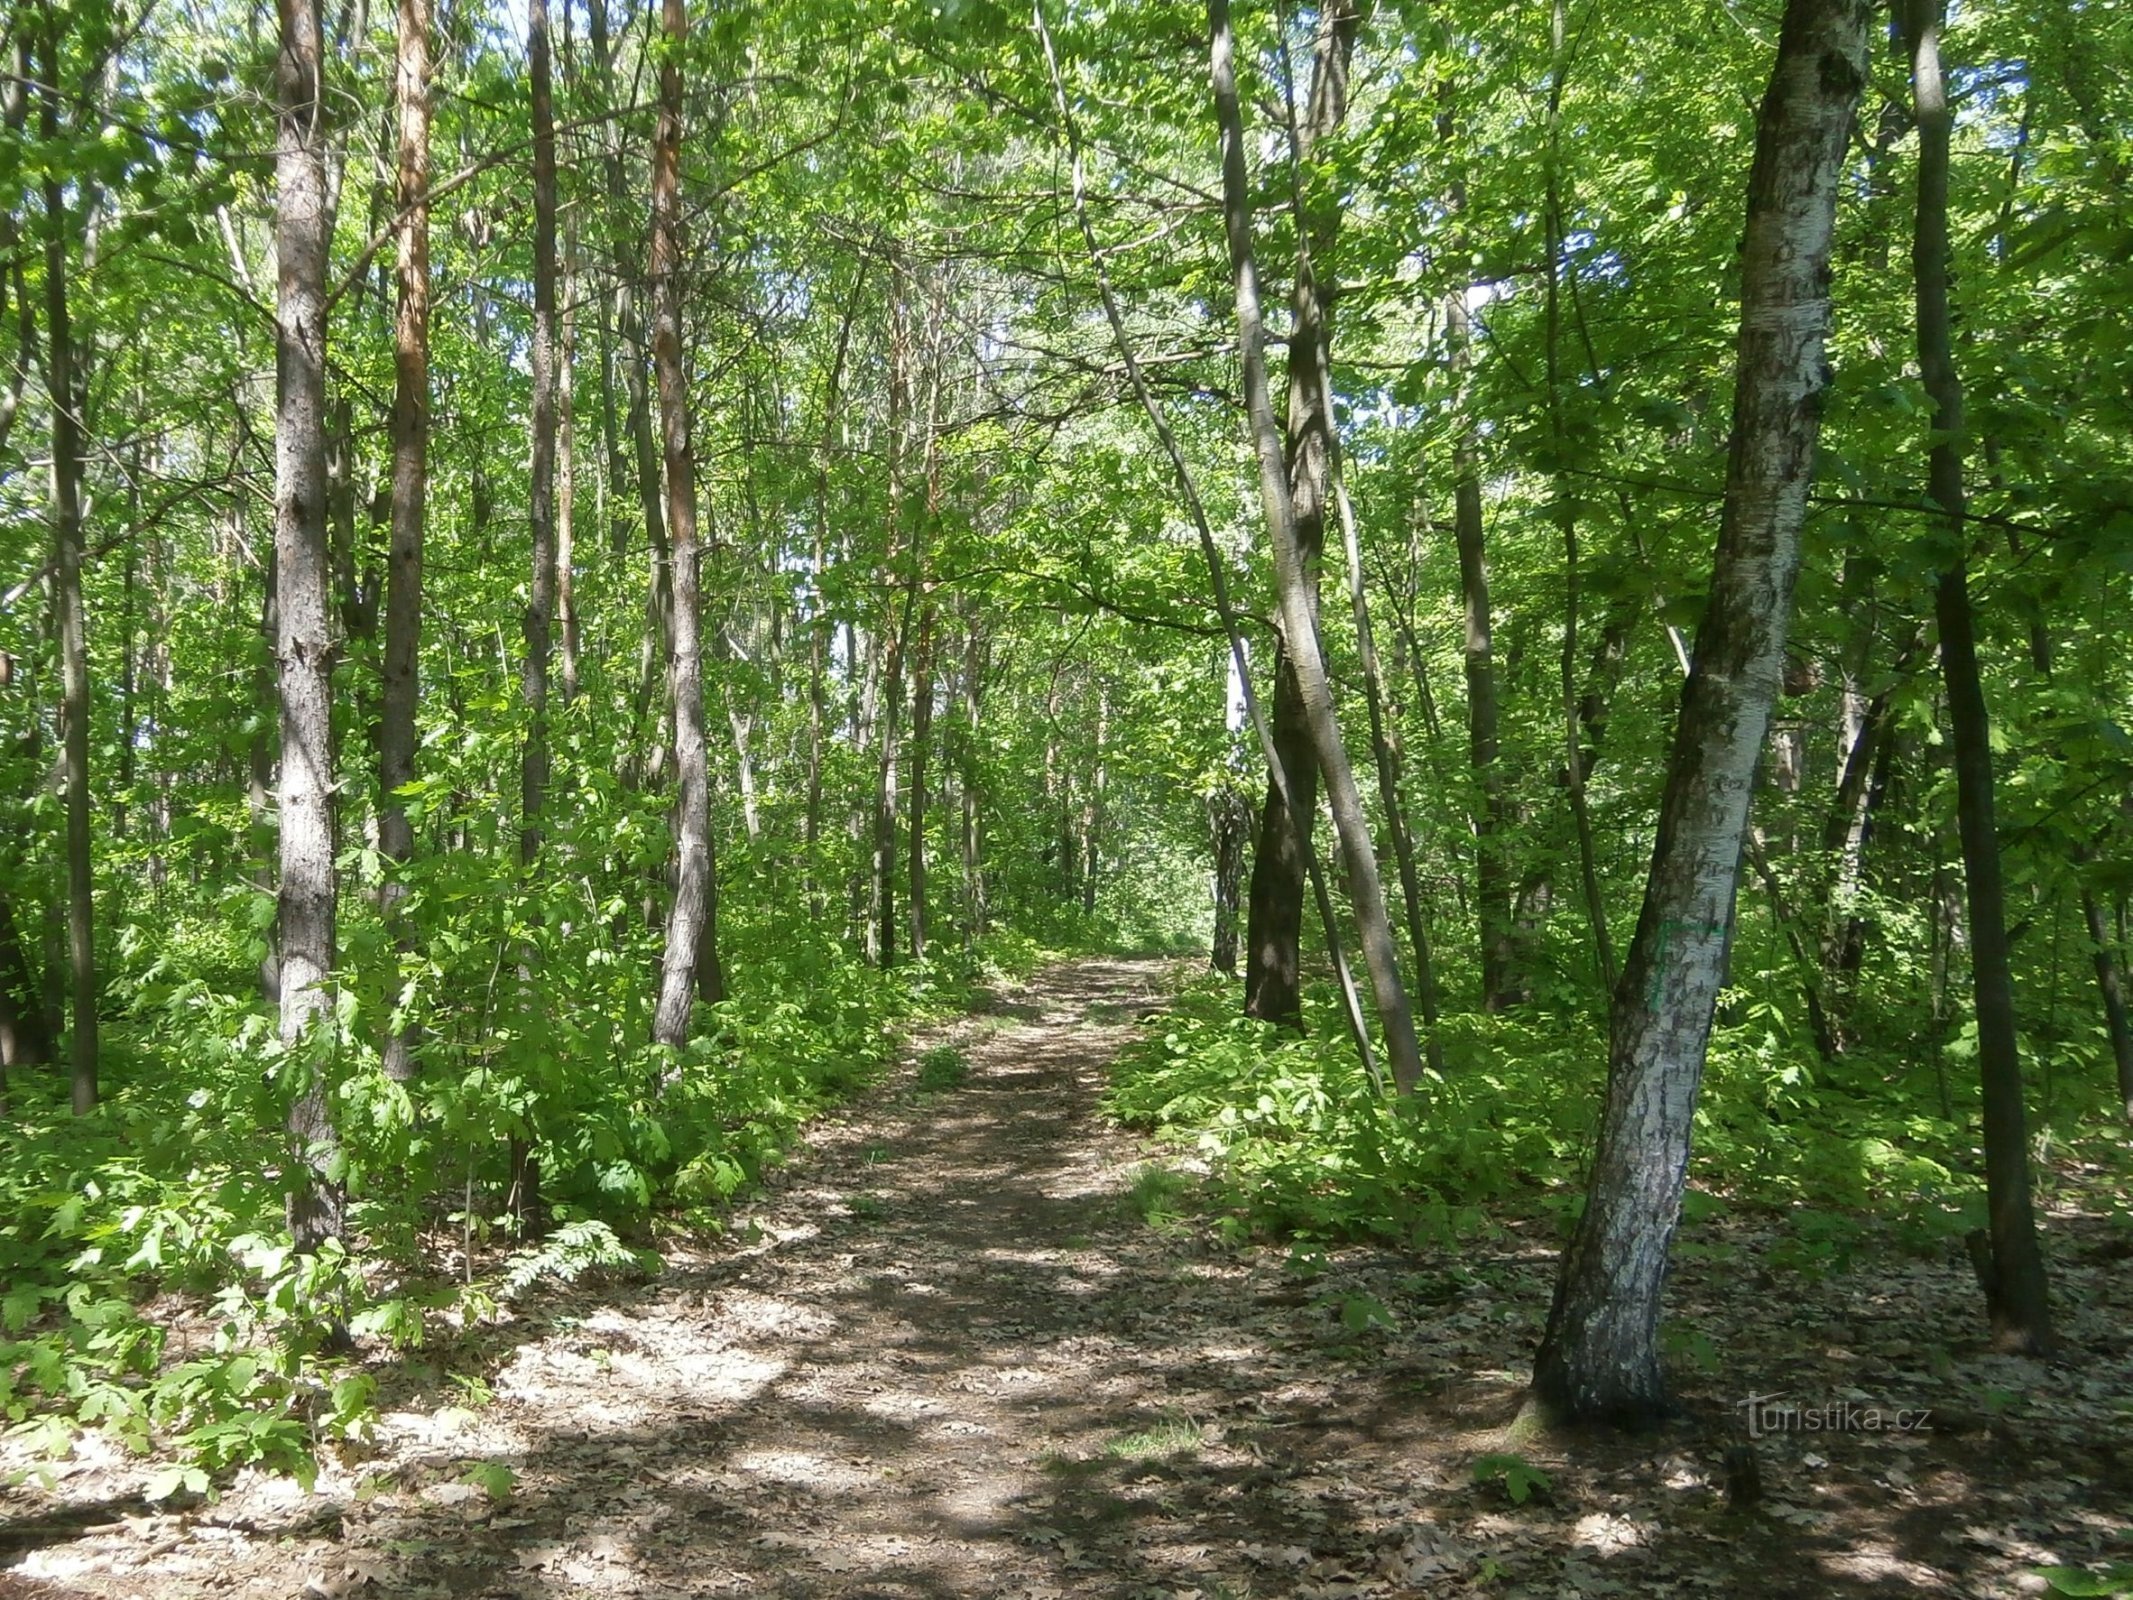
{"points": [[2009, 1260], [304, 645], [64, 398], [1599, 1358], [1273, 961], [540, 592], [410, 481], [1294, 590], [691, 963]]}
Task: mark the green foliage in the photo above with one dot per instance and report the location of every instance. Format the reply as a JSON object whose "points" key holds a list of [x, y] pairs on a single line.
{"points": [[942, 1068], [1158, 1195], [493, 1478], [1521, 1480], [2114, 1582], [1173, 1436], [1301, 1145], [1300, 1142]]}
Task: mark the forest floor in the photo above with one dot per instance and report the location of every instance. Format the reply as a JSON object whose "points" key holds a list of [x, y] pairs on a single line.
{"points": [[946, 1353]]}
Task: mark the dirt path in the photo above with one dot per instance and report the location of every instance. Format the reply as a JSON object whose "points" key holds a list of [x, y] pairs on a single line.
{"points": [[948, 1355]]}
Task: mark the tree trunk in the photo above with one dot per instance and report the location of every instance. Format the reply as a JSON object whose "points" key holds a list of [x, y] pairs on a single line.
{"points": [[896, 630], [1230, 820], [1294, 587], [2110, 982], [23, 1040], [692, 932], [304, 642], [1565, 510], [1210, 555], [819, 621], [1274, 931], [1599, 1359], [538, 622], [921, 740], [566, 465], [67, 601], [2015, 1289], [410, 490], [967, 780], [1492, 872]]}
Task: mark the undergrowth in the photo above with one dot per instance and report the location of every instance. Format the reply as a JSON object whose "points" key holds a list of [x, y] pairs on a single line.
{"points": [[1296, 1142], [146, 1286]]}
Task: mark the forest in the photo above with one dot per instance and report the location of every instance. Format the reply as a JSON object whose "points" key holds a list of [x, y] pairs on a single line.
{"points": [[1206, 797]]}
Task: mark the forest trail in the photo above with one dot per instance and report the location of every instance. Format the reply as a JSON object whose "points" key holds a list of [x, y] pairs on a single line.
{"points": [[946, 1353]]}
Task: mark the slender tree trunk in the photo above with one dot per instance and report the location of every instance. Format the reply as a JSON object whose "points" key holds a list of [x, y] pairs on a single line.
{"points": [[1599, 1359], [566, 467], [1492, 872], [1211, 556], [1273, 975], [1092, 804], [304, 643], [1229, 818], [67, 601], [819, 621], [2110, 982], [692, 932], [1566, 512], [1312, 344], [410, 489], [897, 633], [539, 619], [921, 742], [2012, 1270], [967, 780], [1293, 588]]}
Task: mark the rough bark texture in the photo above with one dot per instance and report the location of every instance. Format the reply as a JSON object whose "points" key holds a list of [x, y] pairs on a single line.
{"points": [[692, 936], [304, 643], [2015, 1289], [67, 602], [1274, 925], [410, 487], [1599, 1359], [1294, 587]]}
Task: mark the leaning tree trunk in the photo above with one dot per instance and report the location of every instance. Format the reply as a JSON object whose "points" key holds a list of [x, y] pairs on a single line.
{"points": [[1273, 958], [2010, 1260], [1599, 1359], [303, 638], [410, 489], [1294, 588], [67, 601], [692, 938]]}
